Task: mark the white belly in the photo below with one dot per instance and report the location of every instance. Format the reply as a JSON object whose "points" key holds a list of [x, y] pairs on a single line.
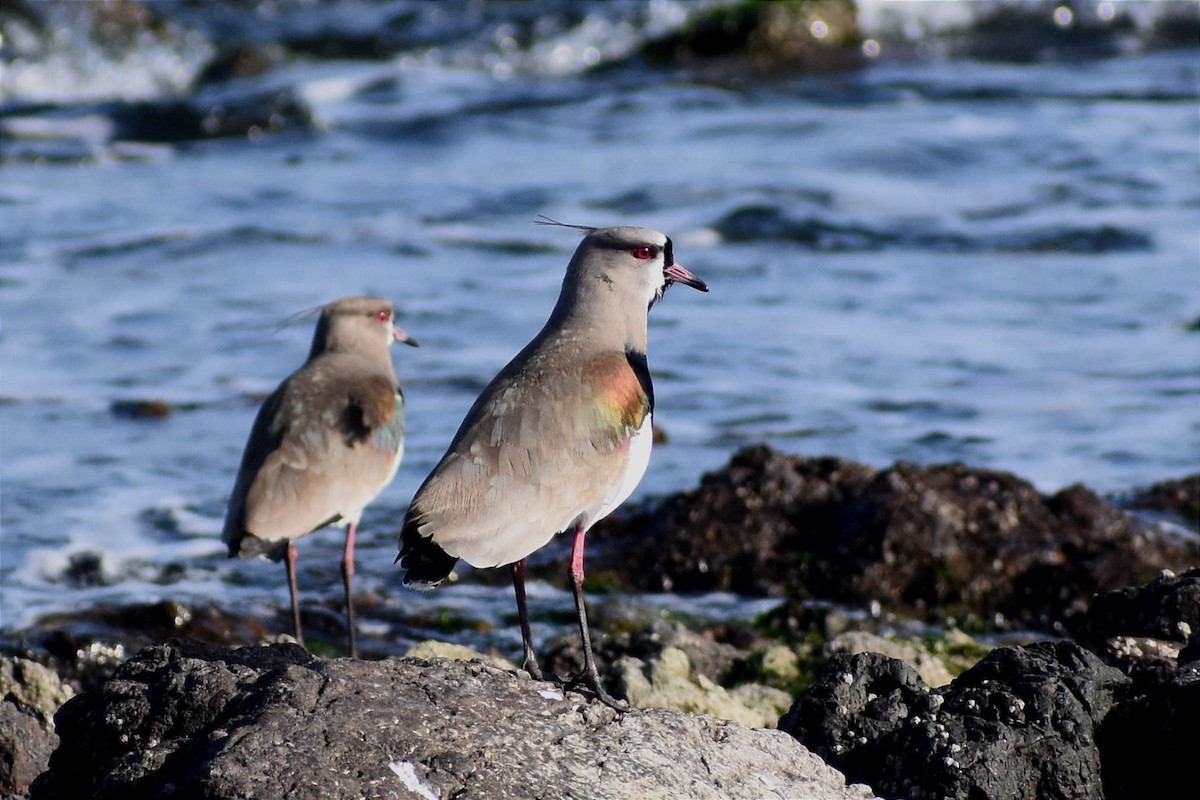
{"points": [[639, 458]]}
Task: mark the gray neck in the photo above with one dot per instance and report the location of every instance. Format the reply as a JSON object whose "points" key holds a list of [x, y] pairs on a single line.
{"points": [[334, 338], [592, 304]]}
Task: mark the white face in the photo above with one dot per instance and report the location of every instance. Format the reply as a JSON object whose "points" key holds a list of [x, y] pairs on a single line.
{"points": [[637, 262], [650, 258]]}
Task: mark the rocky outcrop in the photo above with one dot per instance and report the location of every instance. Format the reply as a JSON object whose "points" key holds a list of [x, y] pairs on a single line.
{"points": [[1147, 630], [944, 542], [1022, 724], [199, 721], [1046, 720]]}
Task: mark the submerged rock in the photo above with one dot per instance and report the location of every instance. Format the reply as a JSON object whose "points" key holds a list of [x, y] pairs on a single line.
{"points": [[201, 721], [250, 114]]}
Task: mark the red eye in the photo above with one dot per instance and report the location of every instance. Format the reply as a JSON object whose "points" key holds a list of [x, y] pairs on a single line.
{"points": [[644, 252], [383, 316]]}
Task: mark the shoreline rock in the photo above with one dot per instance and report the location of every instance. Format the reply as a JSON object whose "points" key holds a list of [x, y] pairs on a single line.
{"points": [[943, 543], [210, 722], [745, 522]]}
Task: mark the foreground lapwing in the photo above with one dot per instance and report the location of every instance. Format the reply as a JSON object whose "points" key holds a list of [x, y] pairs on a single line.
{"points": [[559, 438], [324, 444]]}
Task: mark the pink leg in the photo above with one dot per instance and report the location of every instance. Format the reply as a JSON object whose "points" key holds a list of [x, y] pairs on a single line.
{"points": [[531, 664], [589, 676], [348, 583], [289, 560]]}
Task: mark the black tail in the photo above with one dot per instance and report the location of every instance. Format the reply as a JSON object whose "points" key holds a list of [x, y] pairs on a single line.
{"points": [[425, 563]]}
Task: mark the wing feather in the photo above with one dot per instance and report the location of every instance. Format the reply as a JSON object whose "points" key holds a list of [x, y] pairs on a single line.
{"points": [[538, 449], [319, 451]]}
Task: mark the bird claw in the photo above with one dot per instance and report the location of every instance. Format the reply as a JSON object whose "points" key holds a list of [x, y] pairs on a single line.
{"points": [[535, 672], [590, 680]]}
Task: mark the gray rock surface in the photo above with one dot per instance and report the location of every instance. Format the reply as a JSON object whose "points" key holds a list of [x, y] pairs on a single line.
{"points": [[190, 720]]}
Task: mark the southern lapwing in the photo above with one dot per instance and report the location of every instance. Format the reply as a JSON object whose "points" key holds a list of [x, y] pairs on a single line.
{"points": [[324, 444], [559, 438]]}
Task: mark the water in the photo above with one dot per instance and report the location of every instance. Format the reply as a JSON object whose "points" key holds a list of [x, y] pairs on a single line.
{"points": [[927, 260]]}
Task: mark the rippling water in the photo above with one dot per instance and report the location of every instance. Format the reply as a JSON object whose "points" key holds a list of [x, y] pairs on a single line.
{"points": [[926, 260]]}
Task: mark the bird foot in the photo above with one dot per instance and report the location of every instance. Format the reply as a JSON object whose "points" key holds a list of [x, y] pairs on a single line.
{"points": [[535, 672], [590, 680]]}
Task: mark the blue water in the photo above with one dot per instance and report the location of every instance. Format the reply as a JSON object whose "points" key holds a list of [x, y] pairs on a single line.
{"points": [[930, 261]]}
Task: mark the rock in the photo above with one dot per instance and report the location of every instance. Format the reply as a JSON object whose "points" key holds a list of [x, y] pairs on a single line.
{"points": [[1178, 498], [770, 38], [237, 112], [645, 640], [743, 530], [1167, 607], [86, 645], [669, 681], [947, 543], [1150, 742], [1021, 724], [199, 721], [1152, 633], [29, 696], [657, 663], [933, 670], [33, 687], [432, 648]]}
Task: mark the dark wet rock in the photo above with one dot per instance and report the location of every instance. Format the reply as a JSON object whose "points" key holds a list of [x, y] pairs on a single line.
{"points": [[1149, 743], [252, 114], [30, 694], [1022, 723], [200, 721], [1167, 607], [1178, 498], [84, 570], [86, 646], [1144, 630], [772, 38], [943, 542], [745, 529], [1152, 633]]}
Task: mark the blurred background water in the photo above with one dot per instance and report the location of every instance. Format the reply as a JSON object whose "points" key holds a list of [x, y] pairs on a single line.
{"points": [[933, 232]]}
